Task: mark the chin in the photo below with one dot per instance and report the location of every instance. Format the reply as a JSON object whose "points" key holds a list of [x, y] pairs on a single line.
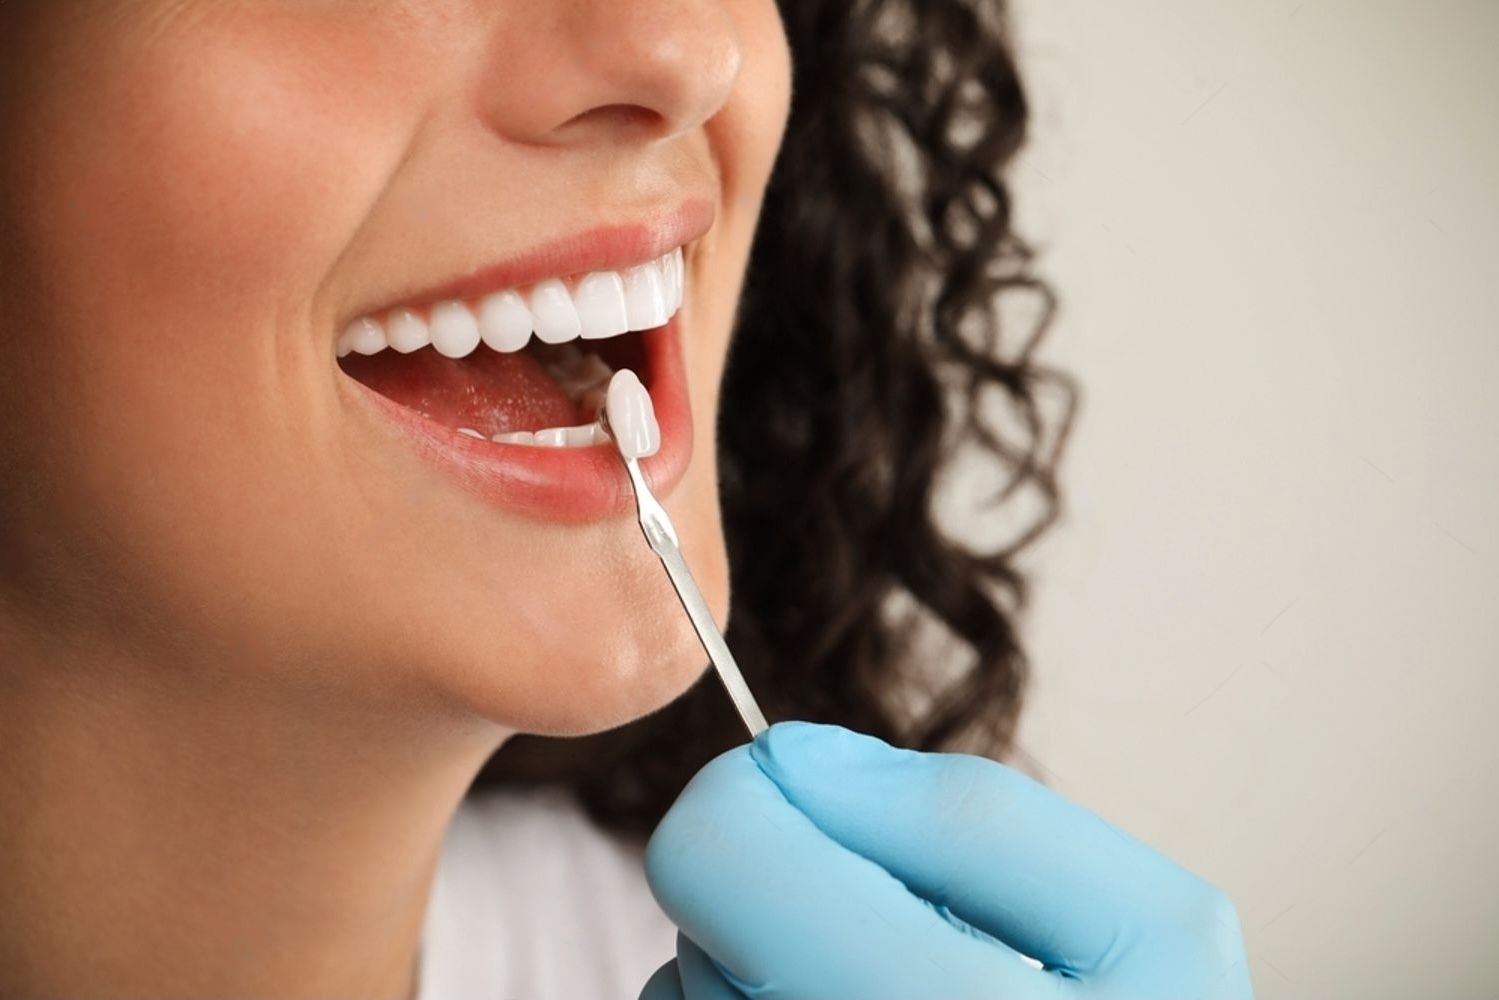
{"points": [[600, 639], [618, 687], [590, 681]]}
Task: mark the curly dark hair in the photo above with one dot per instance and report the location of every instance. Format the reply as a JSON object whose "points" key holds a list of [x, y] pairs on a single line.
{"points": [[868, 353]]}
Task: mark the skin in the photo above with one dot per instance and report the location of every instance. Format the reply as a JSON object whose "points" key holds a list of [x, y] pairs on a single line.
{"points": [[251, 653]]}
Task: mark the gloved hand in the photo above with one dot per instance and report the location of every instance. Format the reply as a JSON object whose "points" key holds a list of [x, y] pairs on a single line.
{"points": [[821, 864]]}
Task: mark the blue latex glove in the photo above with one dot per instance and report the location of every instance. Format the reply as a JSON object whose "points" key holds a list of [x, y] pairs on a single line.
{"points": [[821, 864]]}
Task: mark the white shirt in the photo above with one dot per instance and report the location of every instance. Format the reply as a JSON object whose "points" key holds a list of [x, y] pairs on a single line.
{"points": [[532, 901]]}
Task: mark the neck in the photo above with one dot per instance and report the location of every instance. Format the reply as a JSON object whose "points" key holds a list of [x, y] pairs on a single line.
{"points": [[199, 839]]}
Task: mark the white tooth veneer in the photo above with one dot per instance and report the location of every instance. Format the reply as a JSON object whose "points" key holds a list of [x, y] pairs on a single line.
{"points": [[555, 315], [632, 416], [600, 301], [407, 331], [455, 332], [504, 321]]}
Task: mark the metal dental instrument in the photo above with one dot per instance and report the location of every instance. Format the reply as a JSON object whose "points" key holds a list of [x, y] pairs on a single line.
{"points": [[662, 537]]}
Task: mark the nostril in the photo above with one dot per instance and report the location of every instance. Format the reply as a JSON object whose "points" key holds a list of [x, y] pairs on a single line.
{"points": [[622, 116]]}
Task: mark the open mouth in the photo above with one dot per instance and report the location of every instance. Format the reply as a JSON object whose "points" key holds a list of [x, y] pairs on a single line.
{"points": [[524, 366]]}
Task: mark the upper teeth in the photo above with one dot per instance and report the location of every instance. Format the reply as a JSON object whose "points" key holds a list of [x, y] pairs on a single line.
{"points": [[601, 304]]}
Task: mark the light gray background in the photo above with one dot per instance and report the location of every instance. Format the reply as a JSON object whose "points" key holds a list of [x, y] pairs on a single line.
{"points": [[1264, 638]]}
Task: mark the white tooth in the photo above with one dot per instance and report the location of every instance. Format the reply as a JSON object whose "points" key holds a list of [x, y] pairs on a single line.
{"points": [[504, 321], [669, 284], [644, 303], [580, 436], [552, 437], [600, 300], [679, 268], [455, 332], [671, 280], [363, 336], [514, 437], [552, 308], [407, 331], [471, 432], [600, 436], [632, 417]]}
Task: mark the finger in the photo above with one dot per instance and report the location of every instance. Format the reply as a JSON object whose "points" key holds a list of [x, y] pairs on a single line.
{"points": [[701, 977], [664, 984], [787, 912], [1001, 850]]}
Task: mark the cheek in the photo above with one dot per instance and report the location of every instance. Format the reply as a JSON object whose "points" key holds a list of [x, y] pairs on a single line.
{"points": [[753, 123], [234, 168], [178, 208], [745, 137]]}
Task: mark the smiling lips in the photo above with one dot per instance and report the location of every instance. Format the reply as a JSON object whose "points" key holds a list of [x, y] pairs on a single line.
{"points": [[494, 378], [520, 365]]}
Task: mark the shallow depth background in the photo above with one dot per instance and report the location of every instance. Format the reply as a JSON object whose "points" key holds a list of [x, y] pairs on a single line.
{"points": [[1264, 636]]}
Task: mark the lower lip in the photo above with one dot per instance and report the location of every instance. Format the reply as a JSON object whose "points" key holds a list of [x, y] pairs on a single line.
{"points": [[570, 485]]}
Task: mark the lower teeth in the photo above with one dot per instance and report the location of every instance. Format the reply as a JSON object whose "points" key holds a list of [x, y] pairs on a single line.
{"points": [[580, 436]]}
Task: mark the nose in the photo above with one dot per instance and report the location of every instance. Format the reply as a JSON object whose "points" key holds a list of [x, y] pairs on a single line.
{"points": [[569, 69]]}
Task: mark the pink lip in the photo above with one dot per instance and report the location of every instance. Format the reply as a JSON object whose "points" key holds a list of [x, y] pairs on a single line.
{"points": [[569, 485], [602, 248]]}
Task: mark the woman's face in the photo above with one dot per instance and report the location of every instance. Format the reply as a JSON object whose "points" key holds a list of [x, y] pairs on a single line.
{"points": [[200, 197]]}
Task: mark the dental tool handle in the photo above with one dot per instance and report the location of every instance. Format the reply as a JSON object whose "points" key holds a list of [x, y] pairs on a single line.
{"points": [[712, 639], [662, 537]]}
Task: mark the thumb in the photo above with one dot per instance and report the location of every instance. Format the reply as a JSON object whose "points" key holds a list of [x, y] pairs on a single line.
{"points": [[691, 976], [1002, 851], [785, 911], [664, 984]]}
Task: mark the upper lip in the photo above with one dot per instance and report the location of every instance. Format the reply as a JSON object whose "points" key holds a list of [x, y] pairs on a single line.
{"points": [[600, 248]]}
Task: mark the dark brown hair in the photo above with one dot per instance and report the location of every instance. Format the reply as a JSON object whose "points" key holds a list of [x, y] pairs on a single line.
{"points": [[869, 352]]}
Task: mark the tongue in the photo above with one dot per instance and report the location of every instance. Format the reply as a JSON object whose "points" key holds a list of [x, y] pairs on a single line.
{"points": [[488, 391]]}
